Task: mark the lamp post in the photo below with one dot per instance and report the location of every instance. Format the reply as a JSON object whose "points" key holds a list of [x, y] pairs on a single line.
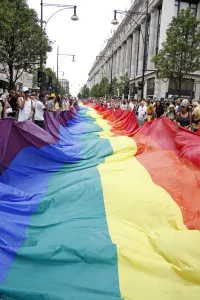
{"points": [[63, 7], [144, 37], [65, 55], [111, 71]]}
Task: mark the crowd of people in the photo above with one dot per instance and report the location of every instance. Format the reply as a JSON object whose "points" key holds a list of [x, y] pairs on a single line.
{"points": [[31, 106], [184, 112], [25, 106]]}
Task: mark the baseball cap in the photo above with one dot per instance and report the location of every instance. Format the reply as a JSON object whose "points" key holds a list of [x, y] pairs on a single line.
{"points": [[183, 105], [25, 89]]}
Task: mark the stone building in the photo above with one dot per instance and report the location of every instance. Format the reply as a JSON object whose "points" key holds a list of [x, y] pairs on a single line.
{"points": [[65, 85], [126, 49]]}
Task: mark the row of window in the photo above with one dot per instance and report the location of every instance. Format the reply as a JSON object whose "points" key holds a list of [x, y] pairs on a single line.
{"points": [[179, 4], [187, 87], [184, 4]]}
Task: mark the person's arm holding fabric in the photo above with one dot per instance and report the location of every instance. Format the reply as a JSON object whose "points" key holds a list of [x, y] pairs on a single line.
{"points": [[20, 102]]}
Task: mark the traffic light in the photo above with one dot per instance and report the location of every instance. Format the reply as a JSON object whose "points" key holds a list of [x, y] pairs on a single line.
{"points": [[126, 90], [140, 84], [50, 81], [41, 78]]}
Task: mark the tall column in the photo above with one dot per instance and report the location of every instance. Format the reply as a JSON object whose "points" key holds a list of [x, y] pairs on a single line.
{"points": [[198, 11], [122, 62], [102, 72], [152, 39], [141, 49], [118, 62], [114, 64], [106, 73], [128, 56], [134, 53], [166, 18], [124, 58], [197, 90]]}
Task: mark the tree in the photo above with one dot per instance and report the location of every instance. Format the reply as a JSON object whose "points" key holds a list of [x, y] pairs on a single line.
{"points": [[22, 41], [95, 91], [115, 87], [123, 81], [180, 53], [104, 87], [85, 92]]}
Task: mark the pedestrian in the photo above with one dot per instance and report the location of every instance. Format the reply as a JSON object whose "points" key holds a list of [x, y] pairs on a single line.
{"points": [[39, 111], [178, 107], [50, 105], [142, 113], [196, 116], [131, 105], [26, 106], [1, 108], [159, 109], [171, 114], [150, 110], [124, 105], [57, 104], [14, 106], [65, 104], [184, 118]]}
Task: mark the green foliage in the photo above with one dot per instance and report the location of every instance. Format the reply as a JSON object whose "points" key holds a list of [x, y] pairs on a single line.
{"points": [[180, 54], [104, 87], [101, 89], [22, 40], [121, 84], [115, 87], [84, 93], [95, 91]]}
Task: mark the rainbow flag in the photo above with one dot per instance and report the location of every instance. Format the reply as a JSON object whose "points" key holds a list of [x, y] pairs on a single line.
{"points": [[99, 209]]}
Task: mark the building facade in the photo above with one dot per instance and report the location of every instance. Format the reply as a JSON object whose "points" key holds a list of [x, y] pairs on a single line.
{"points": [[124, 52], [25, 79], [65, 85]]}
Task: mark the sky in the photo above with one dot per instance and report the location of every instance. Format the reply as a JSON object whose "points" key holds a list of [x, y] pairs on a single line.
{"points": [[84, 38]]}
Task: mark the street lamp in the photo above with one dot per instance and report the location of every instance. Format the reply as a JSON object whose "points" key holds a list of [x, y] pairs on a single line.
{"points": [[63, 7], [115, 21], [75, 17], [144, 38], [65, 55]]}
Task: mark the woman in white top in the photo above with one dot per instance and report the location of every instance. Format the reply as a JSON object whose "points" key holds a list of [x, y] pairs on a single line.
{"points": [[26, 107], [131, 106], [124, 105], [65, 104]]}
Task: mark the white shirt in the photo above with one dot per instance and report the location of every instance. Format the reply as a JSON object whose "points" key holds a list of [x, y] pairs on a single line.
{"points": [[142, 113], [39, 111], [131, 106], [25, 112], [65, 105], [124, 106]]}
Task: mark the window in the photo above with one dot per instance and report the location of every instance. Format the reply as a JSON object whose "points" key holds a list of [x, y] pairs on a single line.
{"points": [[138, 50], [158, 28], [186, 88], [183, 4], [150, 87]]}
